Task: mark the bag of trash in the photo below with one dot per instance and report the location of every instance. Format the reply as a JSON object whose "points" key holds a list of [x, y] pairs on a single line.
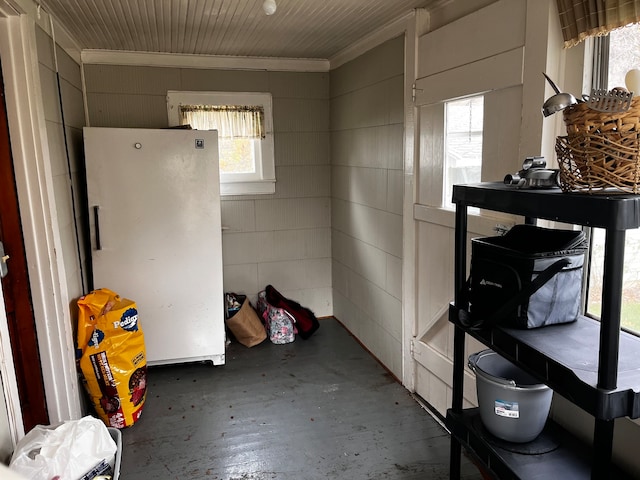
{"points": [[113, 357], [66, 451]]}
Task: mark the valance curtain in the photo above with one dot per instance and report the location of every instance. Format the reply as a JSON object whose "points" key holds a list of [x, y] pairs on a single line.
{"points": [[580, 19], [231, 121]]}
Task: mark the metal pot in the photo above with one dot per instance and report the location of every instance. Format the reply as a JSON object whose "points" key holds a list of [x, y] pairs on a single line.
{"points": [[557, 102]]}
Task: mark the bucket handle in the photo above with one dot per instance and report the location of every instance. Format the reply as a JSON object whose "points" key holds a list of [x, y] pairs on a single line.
{"points": [[473, 365]]}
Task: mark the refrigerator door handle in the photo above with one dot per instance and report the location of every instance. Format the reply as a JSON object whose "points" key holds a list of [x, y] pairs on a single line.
{"points": [[96, 220]]}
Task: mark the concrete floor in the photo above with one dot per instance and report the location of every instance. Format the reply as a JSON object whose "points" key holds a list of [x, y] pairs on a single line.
{"points": [[314, 409]]}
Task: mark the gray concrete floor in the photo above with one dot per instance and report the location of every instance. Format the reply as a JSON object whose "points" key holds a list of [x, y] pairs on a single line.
{"points": [[321, 408]]}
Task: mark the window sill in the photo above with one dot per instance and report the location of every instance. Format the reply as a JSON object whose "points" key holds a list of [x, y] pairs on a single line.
{"points": [[265, 187]]}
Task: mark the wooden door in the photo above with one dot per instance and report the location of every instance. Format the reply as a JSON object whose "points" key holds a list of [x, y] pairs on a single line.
{"points": [[17, 293]]}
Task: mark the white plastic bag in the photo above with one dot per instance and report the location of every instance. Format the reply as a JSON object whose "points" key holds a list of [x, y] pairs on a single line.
{"points": [[66, 451]]}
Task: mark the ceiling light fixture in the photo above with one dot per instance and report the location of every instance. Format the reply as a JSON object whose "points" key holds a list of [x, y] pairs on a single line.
{"points": [[269, 7]]}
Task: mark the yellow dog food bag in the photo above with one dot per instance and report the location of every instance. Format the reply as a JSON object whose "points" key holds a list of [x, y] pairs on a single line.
{"points": [[113, 357]]}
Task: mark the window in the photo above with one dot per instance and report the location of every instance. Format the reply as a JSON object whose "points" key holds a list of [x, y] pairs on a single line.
{"points": [[245, 135], [462, 143], [621, 59]]}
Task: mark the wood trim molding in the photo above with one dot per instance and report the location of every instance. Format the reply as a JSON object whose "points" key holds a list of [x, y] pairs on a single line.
{"points": [[153, 59], [387, 32], [25, 112]]}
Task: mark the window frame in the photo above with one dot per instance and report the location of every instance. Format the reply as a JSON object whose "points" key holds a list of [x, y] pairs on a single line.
{"points": [[263, 181]]}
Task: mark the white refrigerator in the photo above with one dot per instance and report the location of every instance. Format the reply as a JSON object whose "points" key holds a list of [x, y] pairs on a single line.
{"points": [[155, 231]]}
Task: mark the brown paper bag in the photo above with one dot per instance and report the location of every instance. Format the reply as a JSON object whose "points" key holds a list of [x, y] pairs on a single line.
{"points": [[246, 326]]}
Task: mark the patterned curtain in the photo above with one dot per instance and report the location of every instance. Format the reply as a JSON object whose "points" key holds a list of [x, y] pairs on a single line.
{"points": [[580, 19], [231, 121]]}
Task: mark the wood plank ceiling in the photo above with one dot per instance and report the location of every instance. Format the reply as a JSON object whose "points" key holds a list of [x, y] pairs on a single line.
{"points": [[317, 29]]}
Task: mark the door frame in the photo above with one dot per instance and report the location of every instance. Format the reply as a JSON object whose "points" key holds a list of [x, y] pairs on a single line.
{"points": [[416, 26], [25, 112], [8, 380]]}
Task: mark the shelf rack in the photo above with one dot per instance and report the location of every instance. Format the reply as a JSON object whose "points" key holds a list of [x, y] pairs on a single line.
{"points": [[592, 364]]}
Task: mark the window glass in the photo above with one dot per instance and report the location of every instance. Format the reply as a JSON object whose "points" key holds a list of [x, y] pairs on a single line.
{"points": [[622, 58], [463, 143], [624, 54], [238, 155], [630, 280]]}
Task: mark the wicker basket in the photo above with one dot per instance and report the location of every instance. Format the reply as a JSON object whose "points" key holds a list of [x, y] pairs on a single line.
{"points": [[601, 152]]}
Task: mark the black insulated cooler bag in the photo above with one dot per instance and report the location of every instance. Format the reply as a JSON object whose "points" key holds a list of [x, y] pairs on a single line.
{"points": [[528, 278]]}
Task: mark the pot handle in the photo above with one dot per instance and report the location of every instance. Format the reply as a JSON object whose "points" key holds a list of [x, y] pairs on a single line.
{"points": [[473, 365], [505, 381], [473, 360]]}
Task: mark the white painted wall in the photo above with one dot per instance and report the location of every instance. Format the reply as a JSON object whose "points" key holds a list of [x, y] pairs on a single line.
{"points": [[284, 238], [367, 115], [67, 173]]}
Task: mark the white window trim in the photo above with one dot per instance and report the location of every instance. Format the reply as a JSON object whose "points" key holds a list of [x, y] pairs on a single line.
{"points": [[234, 184]]}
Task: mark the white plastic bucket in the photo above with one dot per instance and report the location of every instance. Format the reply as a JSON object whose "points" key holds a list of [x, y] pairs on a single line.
{"points": [[514, 406]]}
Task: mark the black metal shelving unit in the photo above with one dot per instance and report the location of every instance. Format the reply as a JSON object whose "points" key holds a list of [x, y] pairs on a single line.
{"points": [[592, 364]]}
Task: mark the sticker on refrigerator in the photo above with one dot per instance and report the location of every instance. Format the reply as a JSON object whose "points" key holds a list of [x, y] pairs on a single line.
{"points": [[507, 409], [199, 142]]}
